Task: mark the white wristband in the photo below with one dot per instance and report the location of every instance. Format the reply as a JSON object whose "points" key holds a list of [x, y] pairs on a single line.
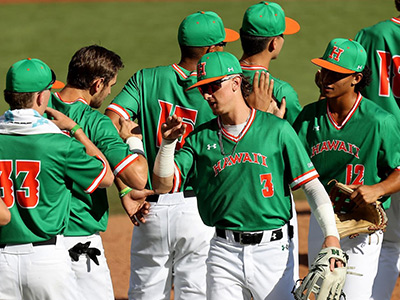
{"points": [[323, 214], [164, 163], [135, 144]]}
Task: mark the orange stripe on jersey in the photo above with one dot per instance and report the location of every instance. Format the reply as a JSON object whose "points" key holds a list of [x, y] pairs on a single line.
{"points": [[349, 115], [119, 110], [179, 71], [243, 132], [177, 179], [396, 20], [123, 164], [304, 178], [253, 67], [70, 102], [95, 183]]}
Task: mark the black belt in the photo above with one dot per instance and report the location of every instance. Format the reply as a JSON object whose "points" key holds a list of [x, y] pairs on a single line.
{"points": [[186, 194], [250, 238], [51, 241]]}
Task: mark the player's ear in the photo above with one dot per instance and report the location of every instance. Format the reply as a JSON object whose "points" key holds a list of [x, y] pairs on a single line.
{"points": [[97, 85], [212, 48], [236, 83], [356, 78]]}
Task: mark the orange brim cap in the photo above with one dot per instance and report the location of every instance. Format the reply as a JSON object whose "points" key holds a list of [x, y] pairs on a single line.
{"points": [[58, 85], [331, 66], [292, 26], [205, 81], [231, 35]]}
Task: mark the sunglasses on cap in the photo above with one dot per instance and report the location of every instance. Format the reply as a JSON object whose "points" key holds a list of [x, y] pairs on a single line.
{"points": [[222, 44], [212, 87], [53, 79]]}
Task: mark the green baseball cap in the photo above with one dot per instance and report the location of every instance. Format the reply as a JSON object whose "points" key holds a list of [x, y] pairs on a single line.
{"points": [[267, 19], [204, 28], [214, 66], [343, 56], [31, 75]]}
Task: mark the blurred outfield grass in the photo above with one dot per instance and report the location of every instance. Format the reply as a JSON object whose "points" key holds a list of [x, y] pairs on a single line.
{"points": [[144, 34]]}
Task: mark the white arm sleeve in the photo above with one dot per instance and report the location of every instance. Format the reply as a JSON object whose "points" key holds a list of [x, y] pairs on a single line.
{"points": [[321, 207], [164, 163]]}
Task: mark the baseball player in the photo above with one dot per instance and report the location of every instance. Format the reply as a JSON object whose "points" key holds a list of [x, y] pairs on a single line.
{"points": [[173, 244], [92, 72], [38, 164], [263, 27], [351, 139], [241, 165], [381, 41]]}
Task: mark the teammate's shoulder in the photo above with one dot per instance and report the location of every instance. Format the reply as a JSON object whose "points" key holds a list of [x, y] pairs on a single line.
{"points": [[374, 111], [376, 30]]}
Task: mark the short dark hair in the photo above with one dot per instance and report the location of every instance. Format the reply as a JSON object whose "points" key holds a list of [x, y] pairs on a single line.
{"points": [[365, 81], [252, 44], [19, 100], [90, 63], [397, 3], [245, 86], [192, 52]]}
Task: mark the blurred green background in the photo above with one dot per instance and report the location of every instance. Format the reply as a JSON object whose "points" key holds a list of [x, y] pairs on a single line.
{"points": [[144, 34]]}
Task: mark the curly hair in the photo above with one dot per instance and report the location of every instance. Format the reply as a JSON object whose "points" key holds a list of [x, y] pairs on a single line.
{"points": [[365, 81]]}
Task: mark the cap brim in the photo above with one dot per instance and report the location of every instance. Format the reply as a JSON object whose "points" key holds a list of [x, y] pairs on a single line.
{"points": [[331, 66], [205, 81], [292, 26], [231, 35], [57, 85]]}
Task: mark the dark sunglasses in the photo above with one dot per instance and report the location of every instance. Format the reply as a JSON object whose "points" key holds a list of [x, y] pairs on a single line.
{"points": [[53, 79], [214, 86], [222, 44]]}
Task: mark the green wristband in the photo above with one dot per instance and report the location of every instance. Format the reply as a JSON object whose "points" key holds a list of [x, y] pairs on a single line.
{"points": [[75, 129], [124, 192]]}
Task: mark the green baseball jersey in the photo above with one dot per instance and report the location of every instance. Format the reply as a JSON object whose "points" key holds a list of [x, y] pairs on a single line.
{"points": [[382, 43], [36, 175], [151, 95], [247, 189], [281, 89], [364, 149], [90, 213]]}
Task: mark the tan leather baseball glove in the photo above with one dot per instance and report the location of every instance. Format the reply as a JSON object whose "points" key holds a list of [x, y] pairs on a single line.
{"points": [[351, 220]]}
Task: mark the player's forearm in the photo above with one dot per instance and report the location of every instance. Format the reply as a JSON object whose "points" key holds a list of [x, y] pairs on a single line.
{"points": [[163, 171], [92, 150], [390, 185], [135, 175], [5, 215], [321, 207], [114, 118]]}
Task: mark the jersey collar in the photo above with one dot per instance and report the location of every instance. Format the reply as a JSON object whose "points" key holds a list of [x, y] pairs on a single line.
{"points": [[395, 20], [349, 115], [253, 67], [242, 133], [183, 73], [71, 102]]}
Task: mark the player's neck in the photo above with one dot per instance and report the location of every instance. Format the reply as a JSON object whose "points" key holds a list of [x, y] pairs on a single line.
{"points": [[188, 64], [238, 115], [259, 59], [339, 107], [70, 94]]}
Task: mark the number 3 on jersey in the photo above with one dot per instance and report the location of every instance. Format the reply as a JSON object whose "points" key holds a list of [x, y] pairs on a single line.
{"points": [[188, 116], [26, 172], [268, 186]]}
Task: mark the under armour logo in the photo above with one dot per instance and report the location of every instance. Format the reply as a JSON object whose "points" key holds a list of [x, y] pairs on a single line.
{"points": [[337, 52], [209, 146], [230, 69], [316, 128], [359, 67]]}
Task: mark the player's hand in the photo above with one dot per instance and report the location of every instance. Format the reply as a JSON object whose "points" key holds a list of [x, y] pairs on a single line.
{"points": [[129, 128], [62, 121], [364, 194], [332, 241], [261, 97], [173, 128], [135, 205], [278, 111]]}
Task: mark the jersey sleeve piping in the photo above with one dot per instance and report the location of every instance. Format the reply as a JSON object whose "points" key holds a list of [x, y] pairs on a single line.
{"points": [[96, 182], [126, 162], [177, 179], [304, 178], [119, 110]]}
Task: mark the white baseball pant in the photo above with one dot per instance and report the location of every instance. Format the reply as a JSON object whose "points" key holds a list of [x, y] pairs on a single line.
{"points": [[43, 272], [170, 248], [363, 252], [260, 271], [94, 280]]}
